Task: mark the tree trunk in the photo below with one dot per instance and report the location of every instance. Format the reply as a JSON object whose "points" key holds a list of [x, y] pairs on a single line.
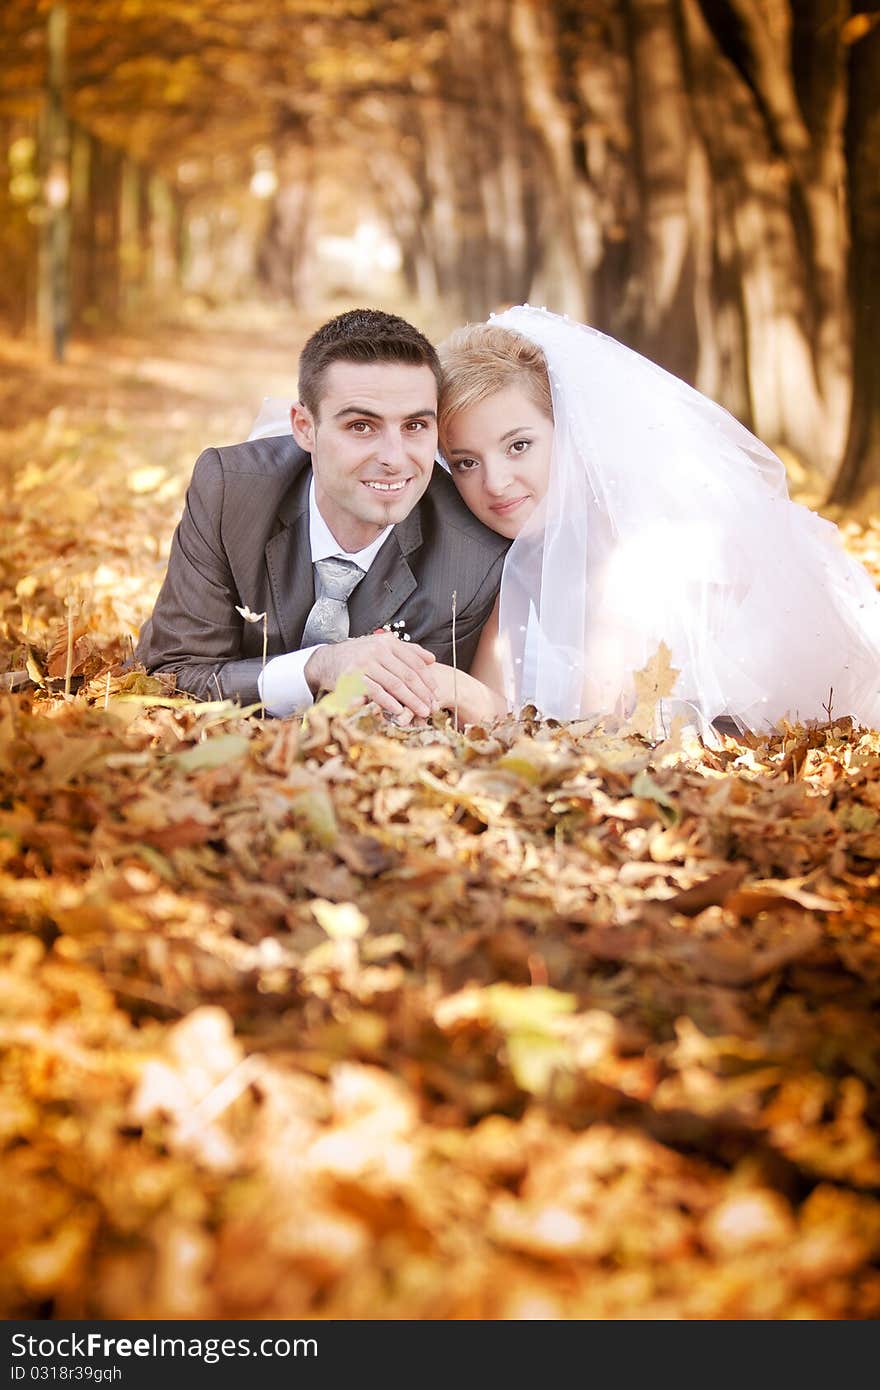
{"points": [[54, 294], [163, 251], [763, 278], [665, 172], [19, 199], [82, 245], [132, 269], [282, 256], [568, 223], [858, 482], [770, 88]]}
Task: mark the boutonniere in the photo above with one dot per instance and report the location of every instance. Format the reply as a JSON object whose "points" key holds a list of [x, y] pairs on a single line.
{"points": [[397, 629]]}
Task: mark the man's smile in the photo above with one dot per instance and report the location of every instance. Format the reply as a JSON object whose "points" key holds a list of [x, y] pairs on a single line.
{"points": [[386, 487]]}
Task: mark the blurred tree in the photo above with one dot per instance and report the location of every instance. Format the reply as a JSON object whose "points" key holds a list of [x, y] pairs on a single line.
{"points": [[694, 176], [54, 287], [770, 94], [859, 477]]}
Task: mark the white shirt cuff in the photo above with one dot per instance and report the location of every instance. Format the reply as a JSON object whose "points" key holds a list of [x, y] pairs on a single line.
{"points": [[282, 683]]}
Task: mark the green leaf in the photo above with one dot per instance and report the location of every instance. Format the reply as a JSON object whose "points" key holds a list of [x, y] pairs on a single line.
{"points": [[534, 762], [34, 669], [644, 786], [315, 808], [214, 752], [858, 817]]}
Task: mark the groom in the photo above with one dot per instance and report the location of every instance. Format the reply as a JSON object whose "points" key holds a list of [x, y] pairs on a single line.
{"points": [[333, 533]]}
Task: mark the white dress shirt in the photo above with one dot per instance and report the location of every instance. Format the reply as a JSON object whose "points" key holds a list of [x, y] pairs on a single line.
{"points": [[282, 685]]}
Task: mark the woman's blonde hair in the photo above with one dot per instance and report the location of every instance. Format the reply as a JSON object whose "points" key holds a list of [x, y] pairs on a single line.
{"points": [[481, 359]]}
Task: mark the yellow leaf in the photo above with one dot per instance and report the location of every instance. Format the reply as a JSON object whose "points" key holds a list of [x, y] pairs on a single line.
{"points": [[81, 505], [534, 1057], [653, 683], [514, 1008], [147, 479], [215, 752], [349, 690], [341, 921]]}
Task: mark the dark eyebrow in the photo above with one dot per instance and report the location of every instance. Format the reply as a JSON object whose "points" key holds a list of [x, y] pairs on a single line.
{"points": [[366, 414], [517, 429]]}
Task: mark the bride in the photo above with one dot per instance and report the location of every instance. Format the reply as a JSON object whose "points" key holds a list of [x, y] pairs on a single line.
{"points": [[641, 513]]}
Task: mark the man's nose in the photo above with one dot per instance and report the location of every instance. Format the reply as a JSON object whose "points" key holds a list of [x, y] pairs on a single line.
{"points": [[392, 451]]}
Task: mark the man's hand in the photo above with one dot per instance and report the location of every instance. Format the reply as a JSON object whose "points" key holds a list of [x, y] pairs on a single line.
{"points": [[397, 673]]}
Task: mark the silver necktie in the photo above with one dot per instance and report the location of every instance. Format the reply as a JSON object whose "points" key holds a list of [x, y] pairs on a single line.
{"points": [[335, 579]]}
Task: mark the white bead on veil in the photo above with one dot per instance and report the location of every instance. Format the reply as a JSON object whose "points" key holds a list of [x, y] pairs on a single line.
{"points": [[666, 520]]}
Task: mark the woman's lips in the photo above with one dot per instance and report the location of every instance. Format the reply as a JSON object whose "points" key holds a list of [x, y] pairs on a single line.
{"points": [[502, 508]]}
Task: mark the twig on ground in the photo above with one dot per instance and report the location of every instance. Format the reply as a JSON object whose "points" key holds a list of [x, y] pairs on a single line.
{"points": [[251, 617], [68, 671]]}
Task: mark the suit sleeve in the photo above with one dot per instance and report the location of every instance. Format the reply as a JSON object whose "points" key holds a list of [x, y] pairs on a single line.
{"points": [[195, 633]]}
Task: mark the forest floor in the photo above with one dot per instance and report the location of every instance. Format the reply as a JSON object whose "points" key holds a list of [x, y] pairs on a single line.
{"points": [[331, 1019]]}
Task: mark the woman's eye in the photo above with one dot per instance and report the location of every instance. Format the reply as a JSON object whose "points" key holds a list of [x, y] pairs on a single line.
{"points": [[464, 465], [519, 446]]}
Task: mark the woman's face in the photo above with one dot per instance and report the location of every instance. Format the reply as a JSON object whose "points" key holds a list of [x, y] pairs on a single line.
{"points": [[499, 454]]}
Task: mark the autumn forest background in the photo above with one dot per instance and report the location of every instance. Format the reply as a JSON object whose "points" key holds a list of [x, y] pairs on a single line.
{"points": [[327, 1018]]}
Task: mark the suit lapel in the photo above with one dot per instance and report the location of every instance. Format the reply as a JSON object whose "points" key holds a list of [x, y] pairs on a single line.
{"points": [[289, 564], [389, 581]]}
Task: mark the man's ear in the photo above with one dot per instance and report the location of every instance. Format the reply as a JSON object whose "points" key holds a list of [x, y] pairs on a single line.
{"points": [[303, 427]]}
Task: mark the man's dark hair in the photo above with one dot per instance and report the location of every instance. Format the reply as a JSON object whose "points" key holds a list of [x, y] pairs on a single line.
{"points": [[361, 335]]}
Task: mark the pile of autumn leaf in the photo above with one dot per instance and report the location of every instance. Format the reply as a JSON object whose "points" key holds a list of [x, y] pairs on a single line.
{"points": [[335, 1019]]}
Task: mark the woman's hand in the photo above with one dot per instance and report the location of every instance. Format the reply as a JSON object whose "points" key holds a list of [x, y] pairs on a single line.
{"points": [[456, 691]]}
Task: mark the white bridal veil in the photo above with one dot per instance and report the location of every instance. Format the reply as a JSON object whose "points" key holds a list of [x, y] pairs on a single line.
{"points": [[667, 521]]}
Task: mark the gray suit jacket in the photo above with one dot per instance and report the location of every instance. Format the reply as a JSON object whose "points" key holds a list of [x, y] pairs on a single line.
{"points": [[243, 539]]}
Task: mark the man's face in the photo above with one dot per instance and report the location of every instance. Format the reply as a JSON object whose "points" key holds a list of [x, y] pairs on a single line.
{"points": [[372, 444]]}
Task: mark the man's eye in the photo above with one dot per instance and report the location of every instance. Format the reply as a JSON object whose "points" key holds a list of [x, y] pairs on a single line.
{"points": [[360, 426], [416, 425]]}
